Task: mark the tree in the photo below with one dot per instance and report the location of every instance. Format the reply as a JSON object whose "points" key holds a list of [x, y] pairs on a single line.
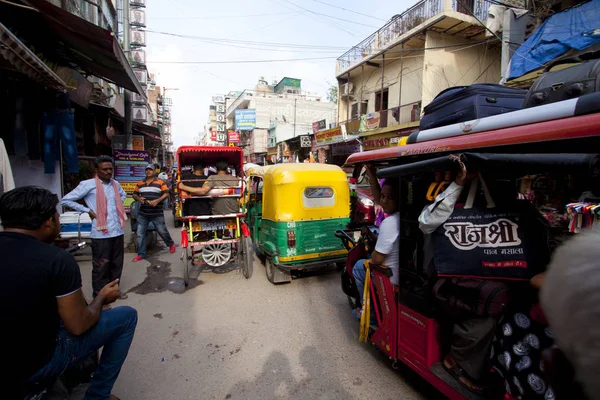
{"points": [[332, 93]]}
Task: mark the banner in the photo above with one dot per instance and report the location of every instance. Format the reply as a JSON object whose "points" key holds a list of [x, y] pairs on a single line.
{"points": [[130, 167], [329, 136], [245, 120], [319, 125], [234, 137]]}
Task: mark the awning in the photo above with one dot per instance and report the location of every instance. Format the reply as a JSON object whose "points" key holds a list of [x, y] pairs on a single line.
{"points": [[151, 131], [24, 60], [68, 39]]}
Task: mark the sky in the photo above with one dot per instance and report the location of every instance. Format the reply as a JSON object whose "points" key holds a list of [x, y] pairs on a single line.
{"points": [[172, 59]]}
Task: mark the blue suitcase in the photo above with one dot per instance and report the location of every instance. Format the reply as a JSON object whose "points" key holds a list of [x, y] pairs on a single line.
{"points": [[465, 103]]}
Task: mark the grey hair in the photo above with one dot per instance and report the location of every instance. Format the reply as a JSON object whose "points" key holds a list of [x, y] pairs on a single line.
{"points": [[102, 159], [570, 298]]}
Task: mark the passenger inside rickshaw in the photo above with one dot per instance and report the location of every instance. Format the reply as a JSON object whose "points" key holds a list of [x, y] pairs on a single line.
{"points": [[196, 178], [387, 247], [222, 205]]}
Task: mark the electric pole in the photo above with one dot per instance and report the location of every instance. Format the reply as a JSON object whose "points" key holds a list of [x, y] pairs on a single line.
{"points": [[127, 94]]}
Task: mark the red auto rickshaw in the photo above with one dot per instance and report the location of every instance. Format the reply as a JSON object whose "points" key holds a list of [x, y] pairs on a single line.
{"points": [[409, 328]]}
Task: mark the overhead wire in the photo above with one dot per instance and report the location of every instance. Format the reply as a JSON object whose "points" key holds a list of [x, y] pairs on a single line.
{"points": [[330, 16], [223, 17], [350, 11]]}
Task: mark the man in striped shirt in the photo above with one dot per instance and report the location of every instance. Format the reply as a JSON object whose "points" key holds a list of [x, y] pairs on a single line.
{"points": [[150, 193]]}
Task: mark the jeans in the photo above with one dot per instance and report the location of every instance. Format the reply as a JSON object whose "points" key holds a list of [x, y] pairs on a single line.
{"points": [[161, 228], [59, 128], [113, 333], [107, 261]]}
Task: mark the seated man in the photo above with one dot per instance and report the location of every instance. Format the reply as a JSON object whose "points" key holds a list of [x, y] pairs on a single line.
{"points": [[388, 247], [196, 206], [223, 205], [48, 324]]}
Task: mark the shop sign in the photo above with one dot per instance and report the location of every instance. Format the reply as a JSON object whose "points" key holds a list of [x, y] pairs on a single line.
{"points": [[141, 75], [245, 120], [345, 148], [305, 141], [319, 125], [138, 38], [137, 18], [234, 137], [130, 167], [218, 99], [329, 136], [140, 114], [372, 144], [370, 121], [139, 56], [213, 135], [137, 142]]}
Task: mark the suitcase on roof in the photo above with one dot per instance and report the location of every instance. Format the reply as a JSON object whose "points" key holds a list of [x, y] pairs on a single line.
{"points": [[466, 103]]}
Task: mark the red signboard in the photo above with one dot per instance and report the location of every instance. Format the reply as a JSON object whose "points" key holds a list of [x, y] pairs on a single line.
{"points": [[234, 137], [213, 136]]}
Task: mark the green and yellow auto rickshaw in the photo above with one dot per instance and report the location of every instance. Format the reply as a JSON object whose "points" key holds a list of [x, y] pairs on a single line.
{"points": [[293, 212]]}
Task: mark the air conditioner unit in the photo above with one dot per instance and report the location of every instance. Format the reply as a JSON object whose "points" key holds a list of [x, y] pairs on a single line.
{"points": [[347, 89]]}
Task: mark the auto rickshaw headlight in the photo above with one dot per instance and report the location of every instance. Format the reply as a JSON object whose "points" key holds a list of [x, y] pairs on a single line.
{"points": [[366, 202]]}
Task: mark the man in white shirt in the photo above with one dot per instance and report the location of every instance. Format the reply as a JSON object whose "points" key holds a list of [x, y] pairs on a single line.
{"points": [[387, 249]]}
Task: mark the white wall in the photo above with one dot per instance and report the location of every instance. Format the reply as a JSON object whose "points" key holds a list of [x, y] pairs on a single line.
{"points": [[444, 68]]}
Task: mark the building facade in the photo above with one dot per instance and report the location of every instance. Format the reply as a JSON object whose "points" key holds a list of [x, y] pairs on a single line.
{"points": [[385, 81]]}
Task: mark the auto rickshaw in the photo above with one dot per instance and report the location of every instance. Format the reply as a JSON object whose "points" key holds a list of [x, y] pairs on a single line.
{"points": [[547, 163], [293, 212], [208, 238]]}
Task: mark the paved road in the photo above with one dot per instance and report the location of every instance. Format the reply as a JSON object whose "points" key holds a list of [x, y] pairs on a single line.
{"points": [[232, 338]]}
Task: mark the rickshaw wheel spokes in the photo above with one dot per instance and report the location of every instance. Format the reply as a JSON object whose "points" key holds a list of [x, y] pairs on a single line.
{"points": [[216, 255]]}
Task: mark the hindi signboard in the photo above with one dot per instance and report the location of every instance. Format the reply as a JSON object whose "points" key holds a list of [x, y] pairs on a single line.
{"points": [[245, 120], [329, 136]]}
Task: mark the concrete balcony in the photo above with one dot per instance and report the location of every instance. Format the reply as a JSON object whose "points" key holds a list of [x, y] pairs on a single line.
{"points": [[453, 17]]}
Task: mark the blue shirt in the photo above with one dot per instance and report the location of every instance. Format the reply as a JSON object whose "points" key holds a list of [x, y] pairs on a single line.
{"points": [[86, 190]]}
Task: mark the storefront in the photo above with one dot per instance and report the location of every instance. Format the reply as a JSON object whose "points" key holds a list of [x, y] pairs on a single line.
{"points": [[386, 137], [299, 148]]}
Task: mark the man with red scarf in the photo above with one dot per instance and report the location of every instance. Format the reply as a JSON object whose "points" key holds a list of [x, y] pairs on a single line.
{"points": [[104, 198]]}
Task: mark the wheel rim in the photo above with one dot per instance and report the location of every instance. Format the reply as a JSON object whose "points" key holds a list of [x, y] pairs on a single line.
{"points": [[216, 255]]}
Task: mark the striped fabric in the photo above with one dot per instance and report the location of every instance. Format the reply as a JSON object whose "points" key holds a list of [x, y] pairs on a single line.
{"points": [[150, 192]]}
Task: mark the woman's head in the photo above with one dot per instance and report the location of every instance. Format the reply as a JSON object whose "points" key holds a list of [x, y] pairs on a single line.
{"points": [[389, 196]]}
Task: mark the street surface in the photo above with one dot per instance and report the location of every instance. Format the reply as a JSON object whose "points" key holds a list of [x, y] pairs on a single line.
{"points": [[232, 338]]}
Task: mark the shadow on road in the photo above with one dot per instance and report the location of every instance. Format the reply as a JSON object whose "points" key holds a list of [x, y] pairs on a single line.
{"points": [[277, 381]]}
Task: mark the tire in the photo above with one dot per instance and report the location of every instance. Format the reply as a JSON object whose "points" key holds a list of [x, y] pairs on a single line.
{"points": [[270, 270], [186, 266], [247, 259]]}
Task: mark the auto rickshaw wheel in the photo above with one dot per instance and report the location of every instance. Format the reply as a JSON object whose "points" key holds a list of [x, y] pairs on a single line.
{"points": [[186, 266], [275, 275], [216, 255], [246, 256]]}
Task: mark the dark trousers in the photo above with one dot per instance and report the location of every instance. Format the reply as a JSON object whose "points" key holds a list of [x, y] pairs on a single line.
{"points": [[471, 344], [107, 261]]}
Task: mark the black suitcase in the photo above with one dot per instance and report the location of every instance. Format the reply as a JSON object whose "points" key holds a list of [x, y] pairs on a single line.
{"points": [[465, 103], [564, 84]]}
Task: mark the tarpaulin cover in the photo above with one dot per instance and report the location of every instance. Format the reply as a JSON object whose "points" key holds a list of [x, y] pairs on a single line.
{"points": [[576, 28]]}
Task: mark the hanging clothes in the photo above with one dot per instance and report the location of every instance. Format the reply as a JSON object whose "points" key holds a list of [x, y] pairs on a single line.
{"points": [[59, 128], [7, 181]]}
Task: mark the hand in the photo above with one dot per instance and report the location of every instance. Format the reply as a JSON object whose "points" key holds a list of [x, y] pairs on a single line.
{"points": [[461, 177], [92, 214], [110, 292], [153, 203]]}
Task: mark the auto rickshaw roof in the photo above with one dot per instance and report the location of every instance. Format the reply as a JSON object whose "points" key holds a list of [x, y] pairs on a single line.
{"points": [[554, 136], [209, 155], [294, 172]]}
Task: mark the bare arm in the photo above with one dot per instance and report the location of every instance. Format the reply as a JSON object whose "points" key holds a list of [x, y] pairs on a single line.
{"points": [[79, 317], [374, 183], [201, 191], [377, 258]]}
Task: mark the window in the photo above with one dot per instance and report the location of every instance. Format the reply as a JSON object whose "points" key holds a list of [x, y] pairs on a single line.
{"points": [[356, 112], [381, 102], [316, 197]]}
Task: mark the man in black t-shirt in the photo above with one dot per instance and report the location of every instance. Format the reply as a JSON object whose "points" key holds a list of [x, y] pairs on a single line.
{"points": [[196, 206], [43, 312]]}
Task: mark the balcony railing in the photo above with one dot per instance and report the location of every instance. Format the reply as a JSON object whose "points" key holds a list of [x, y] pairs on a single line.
{"points": [[402, 23], [387, 118]]}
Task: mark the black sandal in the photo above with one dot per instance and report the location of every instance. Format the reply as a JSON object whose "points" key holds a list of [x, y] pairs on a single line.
{"points": [[458, 372]]}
